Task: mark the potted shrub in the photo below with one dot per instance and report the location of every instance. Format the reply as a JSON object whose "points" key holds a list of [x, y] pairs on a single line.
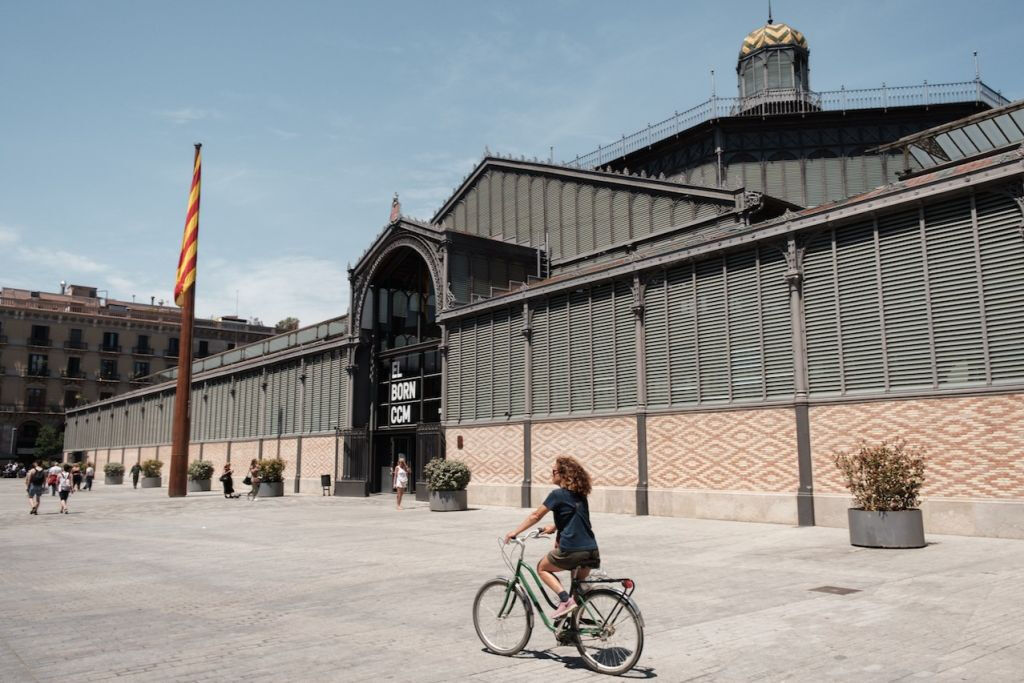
{"points": [[447, 481], [271, 477], [885, 481], [151, 474], [113, 473], [199, 474]]}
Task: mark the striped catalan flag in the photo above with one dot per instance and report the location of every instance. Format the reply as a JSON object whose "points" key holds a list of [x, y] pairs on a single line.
{"points": [[190, 240]]}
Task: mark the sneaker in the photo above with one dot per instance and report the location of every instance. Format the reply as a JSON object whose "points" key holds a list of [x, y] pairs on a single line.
{"points": [[564, 608]]}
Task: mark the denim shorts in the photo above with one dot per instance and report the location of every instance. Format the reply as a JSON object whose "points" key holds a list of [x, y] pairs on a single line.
{"points": [[34, 491]]}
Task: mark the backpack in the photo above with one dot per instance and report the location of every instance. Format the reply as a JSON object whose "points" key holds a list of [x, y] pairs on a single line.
{"points": [[38, 477]]}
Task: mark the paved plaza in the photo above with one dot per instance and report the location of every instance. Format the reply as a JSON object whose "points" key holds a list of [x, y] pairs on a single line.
{"points": [[135, 585]]}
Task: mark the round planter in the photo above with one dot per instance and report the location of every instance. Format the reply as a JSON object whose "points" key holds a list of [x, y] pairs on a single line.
{"points": [[876, 529], [449, 501], [271, 489], [150, 482], [113, 479], [195, 485]]}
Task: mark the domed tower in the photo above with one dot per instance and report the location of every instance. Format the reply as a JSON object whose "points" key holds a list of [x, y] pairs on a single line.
{"points": [[773, 70]]}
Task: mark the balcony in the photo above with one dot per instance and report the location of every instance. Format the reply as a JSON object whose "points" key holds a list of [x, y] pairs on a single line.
{"points": [[35, 372], [143, 351], [38, 341], [141, 379], [109, 348], [171, 353], [32, 407], [108, 377], [72, 375], [76, 345]]}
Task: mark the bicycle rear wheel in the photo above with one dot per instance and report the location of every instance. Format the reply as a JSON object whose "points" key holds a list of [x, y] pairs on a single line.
{"points": [[609, 631], [502, 618]]}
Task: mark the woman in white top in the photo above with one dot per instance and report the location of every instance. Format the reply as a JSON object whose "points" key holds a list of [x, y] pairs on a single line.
{"points": [[65, 485], [400, 475]]}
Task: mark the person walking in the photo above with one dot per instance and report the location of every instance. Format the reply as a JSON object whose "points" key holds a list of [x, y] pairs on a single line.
{"points": [[575, 544], [253, 479], [227, 479], [64, 485], [35, 481], [51, 477], [89, 474], [400, 479], [76, 476], [136, 470]]}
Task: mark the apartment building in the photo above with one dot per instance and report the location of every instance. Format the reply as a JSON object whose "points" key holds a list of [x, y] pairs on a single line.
{"points": [[59, 350]]}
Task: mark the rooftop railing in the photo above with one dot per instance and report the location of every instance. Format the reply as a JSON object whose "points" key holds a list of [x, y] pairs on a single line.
{"points": [[782, 102]]}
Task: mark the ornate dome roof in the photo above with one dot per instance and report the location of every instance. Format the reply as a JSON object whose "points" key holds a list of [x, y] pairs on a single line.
{"points": [[772, 34]]}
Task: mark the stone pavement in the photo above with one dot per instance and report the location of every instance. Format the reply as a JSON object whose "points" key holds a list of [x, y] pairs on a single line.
{"points": [[135, 585]]}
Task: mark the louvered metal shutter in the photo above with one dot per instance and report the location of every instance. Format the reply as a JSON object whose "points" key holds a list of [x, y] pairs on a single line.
{"points": [[824, 355], [776, 324], [467, 392], [712, 334], [953, 284], [558, 344], [508, 208], [602, 340], [311, 397], [453, 368], [662, 214], [501, 384], [499, 273], [860, 322], [856, 179], [775, 178], [537, 213], [746, 362], [540, 359], [483, 348], [460, 216], [874, 174], [641, 215], [815, 173], [341, 415], [752, 179], [522, 217], [620, 216], [1002, 269], [460, 277], [472, 212], [517, 362], [568, 225], [794, 182], [580, 336], [553, 216], [481, 277], [490, 212], [656, 342], [682, 335], [603, 218], [195, 425], [834, 179], [905, 301], [585, 219]]}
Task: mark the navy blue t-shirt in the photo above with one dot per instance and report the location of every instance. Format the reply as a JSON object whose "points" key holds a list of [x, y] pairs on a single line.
{"points": [[572, 518]]}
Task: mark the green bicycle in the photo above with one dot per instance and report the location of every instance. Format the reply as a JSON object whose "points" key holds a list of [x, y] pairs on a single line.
{"points": [[606, 626]]}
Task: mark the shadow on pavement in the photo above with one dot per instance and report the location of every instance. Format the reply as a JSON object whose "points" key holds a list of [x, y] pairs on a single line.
{"points": [[575, 662]]}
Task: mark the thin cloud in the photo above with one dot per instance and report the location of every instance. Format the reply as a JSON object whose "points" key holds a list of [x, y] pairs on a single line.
{"points": [[8, 235], [61, 260], [186, 115]]}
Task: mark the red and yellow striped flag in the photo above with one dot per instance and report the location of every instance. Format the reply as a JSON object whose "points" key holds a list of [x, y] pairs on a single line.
{"points": [[190, 240]]}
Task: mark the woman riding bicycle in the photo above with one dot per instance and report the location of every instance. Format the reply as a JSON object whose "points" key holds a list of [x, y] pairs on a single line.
{"points": [[575, 544]]}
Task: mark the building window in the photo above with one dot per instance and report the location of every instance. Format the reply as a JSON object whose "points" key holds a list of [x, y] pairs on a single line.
{"points": [[140, 369], [74, 367], [142, 344], [40, 336], [231, 345], [204, 349], [172, 347], [35, 398], [75, 340], [110, 342], [70, 398], [37, 365], [105, 395], [108, 369]]}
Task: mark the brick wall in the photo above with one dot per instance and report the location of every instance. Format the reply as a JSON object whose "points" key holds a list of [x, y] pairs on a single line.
{"points": [[494, 454], [216, 454], [287, 450], [740, 450], [242, 452], [974, 446], [605, 446], [317, 457]]}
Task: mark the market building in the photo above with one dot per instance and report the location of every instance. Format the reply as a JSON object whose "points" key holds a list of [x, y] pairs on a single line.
{"points": [[703, 312]]}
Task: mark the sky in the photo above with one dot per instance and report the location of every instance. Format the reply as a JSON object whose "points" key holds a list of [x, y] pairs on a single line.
{"points": [[313, 114]]}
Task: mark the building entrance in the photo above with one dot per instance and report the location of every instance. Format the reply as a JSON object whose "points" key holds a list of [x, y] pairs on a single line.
{"points": [[387, 448]]}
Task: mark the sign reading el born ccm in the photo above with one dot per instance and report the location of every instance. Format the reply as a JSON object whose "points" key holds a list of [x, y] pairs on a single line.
{"points": [[404, 397]]}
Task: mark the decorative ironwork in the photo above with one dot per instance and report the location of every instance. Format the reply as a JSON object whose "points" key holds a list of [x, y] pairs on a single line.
{"points": [[639, 288]]}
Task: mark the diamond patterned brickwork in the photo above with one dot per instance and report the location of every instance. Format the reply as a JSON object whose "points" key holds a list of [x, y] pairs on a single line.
{"points": [[494, 454], [216, 454], [287, 450], [317, 456], [242, 452], [741, 450], [131, 456], [145, 453], [194, 451], [605, 446], [974, 446]]}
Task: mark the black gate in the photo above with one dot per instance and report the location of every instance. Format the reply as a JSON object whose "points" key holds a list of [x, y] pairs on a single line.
{"points": [[429, 444], [355, 463]]}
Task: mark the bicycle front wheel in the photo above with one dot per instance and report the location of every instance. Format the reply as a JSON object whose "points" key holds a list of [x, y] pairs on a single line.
{"points": [[609, 632], [502, 617]]}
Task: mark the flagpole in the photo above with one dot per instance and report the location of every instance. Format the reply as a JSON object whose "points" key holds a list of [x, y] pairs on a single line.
{"points": [[177, 479]]}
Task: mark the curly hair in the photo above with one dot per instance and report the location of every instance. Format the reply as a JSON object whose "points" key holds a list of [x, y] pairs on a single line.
{"points": [[572, 474]]}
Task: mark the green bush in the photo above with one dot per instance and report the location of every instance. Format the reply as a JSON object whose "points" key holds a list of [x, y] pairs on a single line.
{"points": [[446, 475], [271, 470], [151, 468], [200, 470], [113, 469], [886, 477]]}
